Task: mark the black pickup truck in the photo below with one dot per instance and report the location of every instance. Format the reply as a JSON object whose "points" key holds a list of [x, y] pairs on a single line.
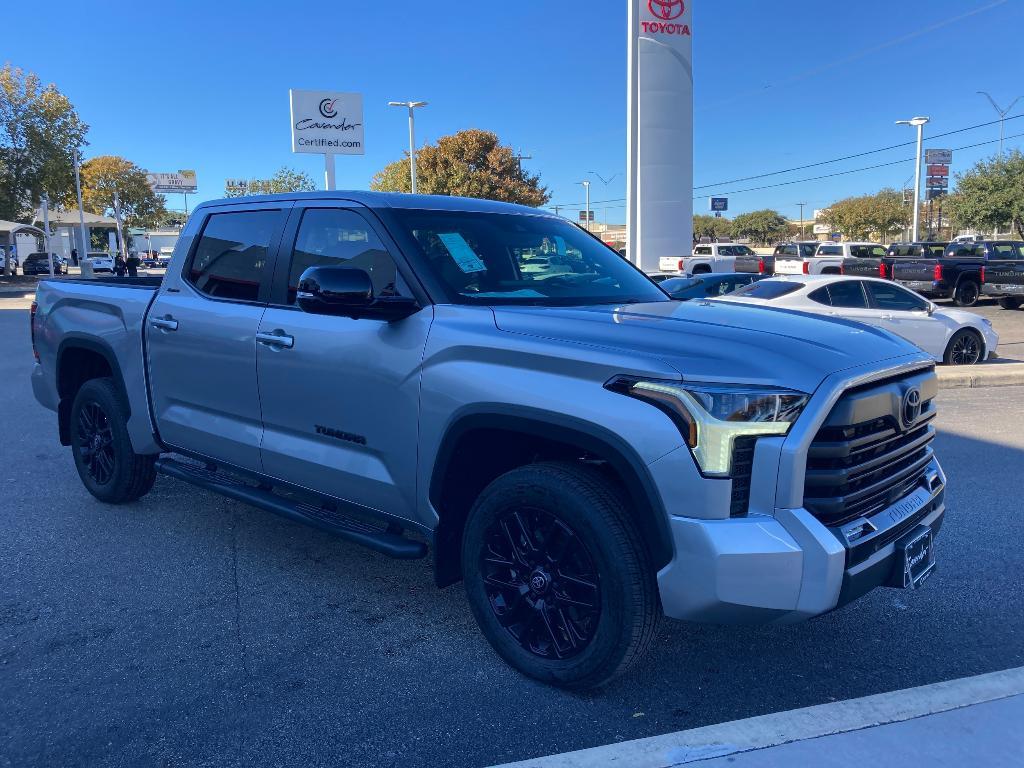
{"points": [[866, 262], [957, 274], [1002, 277]]}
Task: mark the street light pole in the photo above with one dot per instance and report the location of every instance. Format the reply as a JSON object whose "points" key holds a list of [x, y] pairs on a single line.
{"points": [[46, 230], [81, 210], [1002, 116], [586, 218], [919, 123], [411, 106], [801, 218]]}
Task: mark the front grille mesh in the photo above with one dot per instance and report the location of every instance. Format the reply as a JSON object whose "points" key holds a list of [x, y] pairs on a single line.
{"points": [[856, 470]]}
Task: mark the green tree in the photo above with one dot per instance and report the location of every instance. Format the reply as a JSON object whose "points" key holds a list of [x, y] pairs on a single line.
{"points": [[879, 215], [140, 205], [763, 227], [712, 226], [285, 180], [39, 133], [991, 195], [471, 163]]}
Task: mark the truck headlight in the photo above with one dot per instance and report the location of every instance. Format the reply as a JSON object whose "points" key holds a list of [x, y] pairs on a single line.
{"points": [[712, 417]]}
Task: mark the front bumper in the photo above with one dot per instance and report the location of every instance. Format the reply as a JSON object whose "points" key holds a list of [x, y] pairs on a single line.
{"points": [[789, 567]]}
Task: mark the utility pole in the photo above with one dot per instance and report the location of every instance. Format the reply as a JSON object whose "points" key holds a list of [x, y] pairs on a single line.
{"points": [[1002, 117], [919, 123], [801, 219], [586, 218], [519, 157]]}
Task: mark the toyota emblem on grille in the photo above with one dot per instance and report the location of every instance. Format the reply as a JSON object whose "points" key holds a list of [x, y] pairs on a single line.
{"points": [[911, 407]]}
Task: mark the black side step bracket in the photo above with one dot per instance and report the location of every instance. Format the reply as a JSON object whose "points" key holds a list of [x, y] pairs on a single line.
{"points": [[388, 540]]}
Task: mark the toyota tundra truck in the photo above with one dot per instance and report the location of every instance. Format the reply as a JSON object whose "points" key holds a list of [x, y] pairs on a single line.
{"points": [[490, 382]]}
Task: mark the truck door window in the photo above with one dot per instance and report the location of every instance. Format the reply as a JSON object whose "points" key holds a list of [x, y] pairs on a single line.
{"points": [[230, 260], [878, 252], [847, 294], [339, 237], [1003, 251]]}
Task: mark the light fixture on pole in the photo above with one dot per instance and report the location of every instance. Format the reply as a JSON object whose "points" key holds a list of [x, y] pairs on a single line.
{"points": [[411, 106], [586, 215], [919, 123], [1002, 116]]}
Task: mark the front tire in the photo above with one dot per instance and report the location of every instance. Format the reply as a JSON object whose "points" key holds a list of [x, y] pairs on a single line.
{"points": [[108, 467], [557, 575], [1010, 303], [966, 294], [965, 348]]}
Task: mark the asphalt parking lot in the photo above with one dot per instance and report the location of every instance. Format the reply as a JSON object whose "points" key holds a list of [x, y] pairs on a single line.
{"points": [[190, 630]]}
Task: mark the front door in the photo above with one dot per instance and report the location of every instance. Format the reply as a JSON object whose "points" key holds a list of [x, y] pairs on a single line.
{"points": [[340, 396], [201, 338], [906, 314]]}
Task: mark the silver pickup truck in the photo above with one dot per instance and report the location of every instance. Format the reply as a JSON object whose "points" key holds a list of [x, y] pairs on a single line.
{"points": [[584, 453]]}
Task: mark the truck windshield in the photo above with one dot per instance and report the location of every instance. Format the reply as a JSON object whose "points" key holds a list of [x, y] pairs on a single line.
{"points": [[494, 258]]}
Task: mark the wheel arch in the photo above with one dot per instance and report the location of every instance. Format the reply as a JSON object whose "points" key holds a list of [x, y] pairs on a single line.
{"points": [[80, 359], [462, 470]]}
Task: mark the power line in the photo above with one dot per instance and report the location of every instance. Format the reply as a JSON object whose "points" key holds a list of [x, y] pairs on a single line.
{"points": [[826, 162]]}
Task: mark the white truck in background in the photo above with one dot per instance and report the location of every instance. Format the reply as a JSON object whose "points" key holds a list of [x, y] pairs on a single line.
{"points": [[706, 258]]}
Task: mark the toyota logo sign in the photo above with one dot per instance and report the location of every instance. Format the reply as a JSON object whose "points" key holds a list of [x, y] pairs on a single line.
{"points": [[666, 10], [911, 407]]}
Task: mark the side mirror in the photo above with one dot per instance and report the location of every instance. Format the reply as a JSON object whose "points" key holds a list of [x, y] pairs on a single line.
{"points": [[932, 306], [348, 292]]}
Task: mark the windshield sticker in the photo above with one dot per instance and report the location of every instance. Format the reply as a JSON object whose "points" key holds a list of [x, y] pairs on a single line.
{"points": [[524, 293], [460, 251]]}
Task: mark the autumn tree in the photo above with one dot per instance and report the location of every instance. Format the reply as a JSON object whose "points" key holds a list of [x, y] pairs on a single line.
{"points": [[764, 227], [471, 163], [860, 218], [104, 175], [39, 134], [285, 180], [991, 195]]}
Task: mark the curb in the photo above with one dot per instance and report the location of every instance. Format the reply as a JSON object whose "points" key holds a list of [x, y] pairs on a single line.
{"points": [[773, 730], [986, 375]]}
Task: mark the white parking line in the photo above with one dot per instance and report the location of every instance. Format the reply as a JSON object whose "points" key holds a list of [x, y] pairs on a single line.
{"points": [[754, 733]]}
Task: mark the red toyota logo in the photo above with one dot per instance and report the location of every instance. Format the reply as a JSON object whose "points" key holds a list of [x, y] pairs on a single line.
{"points": [[666, 9]]}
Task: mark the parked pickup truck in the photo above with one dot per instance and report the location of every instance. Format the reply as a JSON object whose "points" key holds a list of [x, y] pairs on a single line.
{"points": [[707, 258], [582, 452], [957, 274], [873, 264], [1003, 277], [827, 259]]}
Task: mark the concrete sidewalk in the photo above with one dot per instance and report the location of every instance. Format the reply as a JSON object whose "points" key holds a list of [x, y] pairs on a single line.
{"points": [[971, 721], [991, 374]]}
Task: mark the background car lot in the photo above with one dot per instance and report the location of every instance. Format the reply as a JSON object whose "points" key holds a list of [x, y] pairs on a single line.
{"points": [[191, 630]]}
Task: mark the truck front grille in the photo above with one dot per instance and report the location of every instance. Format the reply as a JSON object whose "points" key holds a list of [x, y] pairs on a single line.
{"points": [[865, 457]]}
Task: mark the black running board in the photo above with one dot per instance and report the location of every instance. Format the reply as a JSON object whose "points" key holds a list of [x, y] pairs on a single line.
{"points": [[388, 541]]}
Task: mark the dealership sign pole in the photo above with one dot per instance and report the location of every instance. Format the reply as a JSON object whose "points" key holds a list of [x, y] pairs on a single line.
{"points": [[659, 190], [327, 123]]}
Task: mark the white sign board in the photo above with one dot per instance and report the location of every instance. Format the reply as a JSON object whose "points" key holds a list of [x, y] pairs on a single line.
{"points": [[181, 182], [938, 156], [327, 122], [822, 229], [659, 127]]}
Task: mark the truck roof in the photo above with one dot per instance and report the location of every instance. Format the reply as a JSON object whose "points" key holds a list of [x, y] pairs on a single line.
{"points": [[388, 200]]}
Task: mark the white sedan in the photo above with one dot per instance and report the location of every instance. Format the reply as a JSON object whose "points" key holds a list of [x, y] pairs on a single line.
{"points": [[950, 336]]}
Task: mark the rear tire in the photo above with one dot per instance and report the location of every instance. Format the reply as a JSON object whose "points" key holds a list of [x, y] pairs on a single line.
{"points": [[558, 577], [1011, 303], [965, 348], [108, 467], [966, 294]]}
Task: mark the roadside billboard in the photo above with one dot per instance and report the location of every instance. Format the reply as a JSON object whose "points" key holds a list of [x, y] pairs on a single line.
{"points": [[938, 156], [182, 182]]}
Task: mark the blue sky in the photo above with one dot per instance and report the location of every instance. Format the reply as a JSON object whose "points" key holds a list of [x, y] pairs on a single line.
{"points": [[204, 85]]}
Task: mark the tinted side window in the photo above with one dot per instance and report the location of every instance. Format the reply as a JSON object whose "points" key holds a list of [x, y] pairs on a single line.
{"points": [[231, 257], [889, 296], [847, 294], [821, 296], [702, 250], [343, 238], [878, 252], [1003, 251]]}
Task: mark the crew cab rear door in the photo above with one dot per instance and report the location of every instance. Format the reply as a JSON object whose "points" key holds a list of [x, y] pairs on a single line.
{"points": [[340, 396], [201, 336]]}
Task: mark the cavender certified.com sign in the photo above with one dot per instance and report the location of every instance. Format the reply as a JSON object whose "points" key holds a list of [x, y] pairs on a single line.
{"points": [[327, 123]]}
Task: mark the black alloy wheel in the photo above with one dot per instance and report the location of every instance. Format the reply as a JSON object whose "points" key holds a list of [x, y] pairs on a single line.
{"points": [[964, 349], [541, 582], [95, 442], [967, 294]]}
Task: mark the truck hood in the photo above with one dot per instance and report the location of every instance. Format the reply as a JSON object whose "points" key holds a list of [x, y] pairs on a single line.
{"points": [[717, 341]]}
